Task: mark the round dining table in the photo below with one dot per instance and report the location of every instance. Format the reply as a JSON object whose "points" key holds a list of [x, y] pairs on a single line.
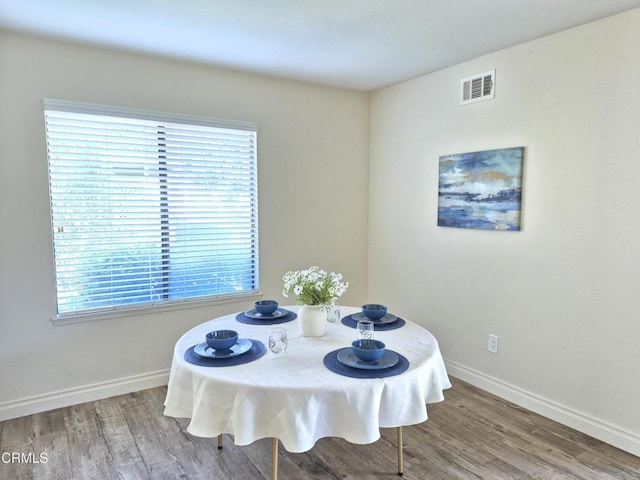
{"points": [[294, 397]]}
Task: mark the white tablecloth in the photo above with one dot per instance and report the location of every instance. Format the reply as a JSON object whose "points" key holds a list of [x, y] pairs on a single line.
{"points": [[294, 397]]}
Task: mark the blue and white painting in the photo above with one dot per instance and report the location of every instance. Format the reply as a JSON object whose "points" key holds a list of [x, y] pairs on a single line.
{"points": [[481, 190]]}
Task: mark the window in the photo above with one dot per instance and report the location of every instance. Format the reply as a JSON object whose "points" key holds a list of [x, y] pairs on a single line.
{"points": [[149, 208]]}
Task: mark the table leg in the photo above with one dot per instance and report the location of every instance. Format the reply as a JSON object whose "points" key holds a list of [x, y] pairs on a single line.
{"points": [[274, 460], [220, 442], [400, 458]]}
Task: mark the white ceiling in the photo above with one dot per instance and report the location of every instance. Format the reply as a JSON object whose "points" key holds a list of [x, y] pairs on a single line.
{"points": [[360, 44]]}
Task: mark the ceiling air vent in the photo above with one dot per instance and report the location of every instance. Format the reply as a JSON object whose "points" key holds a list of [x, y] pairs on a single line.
{"points": [[477, 87]]}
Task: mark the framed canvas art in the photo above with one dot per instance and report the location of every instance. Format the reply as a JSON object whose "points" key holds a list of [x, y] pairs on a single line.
{"points": [[481, 190]]}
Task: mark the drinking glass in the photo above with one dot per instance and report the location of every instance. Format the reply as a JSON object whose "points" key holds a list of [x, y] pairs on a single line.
{"points": [[334, 313], [278, 340], [365, 329]]}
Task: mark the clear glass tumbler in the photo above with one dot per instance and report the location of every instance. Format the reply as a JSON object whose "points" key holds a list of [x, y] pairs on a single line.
{"points": [[333, 313], [278, 340], [365, 329]]}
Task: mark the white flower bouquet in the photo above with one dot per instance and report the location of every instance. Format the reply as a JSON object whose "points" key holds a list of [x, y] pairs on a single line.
{"points": [[314, 286]]}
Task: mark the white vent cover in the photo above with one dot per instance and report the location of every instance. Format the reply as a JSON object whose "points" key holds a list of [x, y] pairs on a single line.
{"points": [[477, 87]]}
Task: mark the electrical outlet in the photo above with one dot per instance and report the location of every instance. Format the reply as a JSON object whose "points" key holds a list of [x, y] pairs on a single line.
{"points": [[493, 343]]}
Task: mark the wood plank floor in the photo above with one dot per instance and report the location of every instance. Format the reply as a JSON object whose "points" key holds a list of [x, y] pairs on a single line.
{"points": [[471, 435]]}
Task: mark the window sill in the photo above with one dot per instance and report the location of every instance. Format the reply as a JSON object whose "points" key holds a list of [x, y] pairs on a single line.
{"points": [[154, 309]]}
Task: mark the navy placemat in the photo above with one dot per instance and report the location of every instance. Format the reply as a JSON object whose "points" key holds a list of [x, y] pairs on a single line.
{"points": [[332, 363], [257, 350], [242, 318], [378, 327]]}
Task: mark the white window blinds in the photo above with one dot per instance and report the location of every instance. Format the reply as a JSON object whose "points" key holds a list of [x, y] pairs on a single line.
{"points": [[149, 207]]}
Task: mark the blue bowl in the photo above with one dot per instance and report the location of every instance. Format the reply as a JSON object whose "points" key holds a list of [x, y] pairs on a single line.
{"points": [[374, 311], [368, 350], [266, 306], [222, 339]]}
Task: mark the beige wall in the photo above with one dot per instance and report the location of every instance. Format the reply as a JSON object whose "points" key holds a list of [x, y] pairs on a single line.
{"points": [[563, 295], [313, 164]]}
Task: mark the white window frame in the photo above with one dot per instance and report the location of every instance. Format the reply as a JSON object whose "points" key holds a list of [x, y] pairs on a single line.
{"points": [[191, 157]]}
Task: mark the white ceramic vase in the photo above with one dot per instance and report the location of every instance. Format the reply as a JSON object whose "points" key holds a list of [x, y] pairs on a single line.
{"points": [[312, 320]]}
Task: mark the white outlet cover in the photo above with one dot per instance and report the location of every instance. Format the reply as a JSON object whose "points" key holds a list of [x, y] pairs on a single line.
{"points": [[493, 343]]}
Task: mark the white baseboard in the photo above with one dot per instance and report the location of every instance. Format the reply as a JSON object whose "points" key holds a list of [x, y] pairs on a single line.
{"points": [[611, 434], [87, 393]]}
